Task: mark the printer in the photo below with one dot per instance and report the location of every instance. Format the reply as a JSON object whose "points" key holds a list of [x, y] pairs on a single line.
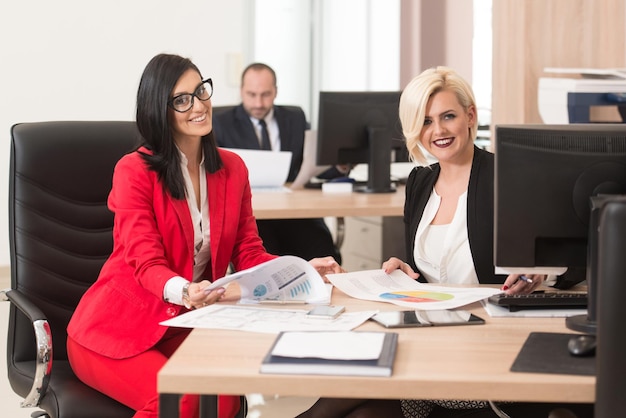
{"points": [[568, 100]]}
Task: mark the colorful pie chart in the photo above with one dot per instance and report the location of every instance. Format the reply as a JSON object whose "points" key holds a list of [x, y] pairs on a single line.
{"points": [[417, 296]]}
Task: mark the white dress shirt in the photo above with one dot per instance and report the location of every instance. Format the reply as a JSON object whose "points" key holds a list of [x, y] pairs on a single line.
{"points": [[173, 290], [442, 252], [272, 129]]}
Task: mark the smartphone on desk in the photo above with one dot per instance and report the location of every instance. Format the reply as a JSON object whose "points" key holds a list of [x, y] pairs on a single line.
{"points": [[423, 318], [326, 311]]}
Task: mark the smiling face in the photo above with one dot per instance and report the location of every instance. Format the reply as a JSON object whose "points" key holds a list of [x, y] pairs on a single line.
{"points": [[446, 130], [196, 122], [258, 91]]}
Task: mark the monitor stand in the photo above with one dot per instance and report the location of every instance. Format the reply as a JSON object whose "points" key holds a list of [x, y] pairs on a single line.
{"points": [[587, 323], [379, 164]]}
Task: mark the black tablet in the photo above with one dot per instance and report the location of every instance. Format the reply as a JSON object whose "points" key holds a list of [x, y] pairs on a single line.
{"points": [[418, 318]]}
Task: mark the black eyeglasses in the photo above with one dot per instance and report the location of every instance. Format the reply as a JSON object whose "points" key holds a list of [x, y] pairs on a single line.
{"points": [[183, 102]]}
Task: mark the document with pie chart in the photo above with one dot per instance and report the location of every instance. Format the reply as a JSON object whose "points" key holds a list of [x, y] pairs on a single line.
{"points": [[400, 289]]}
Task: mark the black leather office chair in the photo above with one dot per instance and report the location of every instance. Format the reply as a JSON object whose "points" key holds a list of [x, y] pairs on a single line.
{"points": [[60, 234], [226, 108], [221, 109]]}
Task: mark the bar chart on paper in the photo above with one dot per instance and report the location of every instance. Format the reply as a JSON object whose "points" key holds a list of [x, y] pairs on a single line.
{"points": [[300, 289]]}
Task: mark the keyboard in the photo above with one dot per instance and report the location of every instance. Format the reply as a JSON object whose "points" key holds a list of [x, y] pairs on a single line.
{"points": [[541, 300]]}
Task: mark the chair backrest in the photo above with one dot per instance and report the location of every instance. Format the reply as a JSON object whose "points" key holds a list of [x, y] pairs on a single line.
{"points": [[60, 230], [222, 109], [226, 108]]}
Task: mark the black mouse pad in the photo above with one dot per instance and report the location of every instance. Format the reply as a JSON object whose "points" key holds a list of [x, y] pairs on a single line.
{"points": [[545, 352]]}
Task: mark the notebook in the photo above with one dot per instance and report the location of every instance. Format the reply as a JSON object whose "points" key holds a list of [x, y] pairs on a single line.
{"points": [[267, 170], [345, 353]]}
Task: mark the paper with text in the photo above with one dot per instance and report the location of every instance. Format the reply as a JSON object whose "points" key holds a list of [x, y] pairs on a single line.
{"points": [[265, 320], [401, 290], [283, 279]]}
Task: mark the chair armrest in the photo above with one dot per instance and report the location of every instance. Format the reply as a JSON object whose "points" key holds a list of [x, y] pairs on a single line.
{"points": [[43, 340]]}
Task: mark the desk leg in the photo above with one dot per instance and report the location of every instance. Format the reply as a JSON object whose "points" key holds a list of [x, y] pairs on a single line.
{"points": [[168, 405], [208, 406]]}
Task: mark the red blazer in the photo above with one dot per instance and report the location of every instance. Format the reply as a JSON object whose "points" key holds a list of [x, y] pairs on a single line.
{"points": [[119, 314]]}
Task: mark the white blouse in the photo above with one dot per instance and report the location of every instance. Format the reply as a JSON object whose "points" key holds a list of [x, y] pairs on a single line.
{"points": [[172, 291], [200, 219], [442, 252]]}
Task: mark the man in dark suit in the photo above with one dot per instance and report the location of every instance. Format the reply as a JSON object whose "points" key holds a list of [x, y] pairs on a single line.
{"points": [[258, 124]]}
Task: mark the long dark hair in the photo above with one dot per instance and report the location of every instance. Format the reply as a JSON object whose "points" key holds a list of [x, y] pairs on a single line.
{"points": [[157, 82]]}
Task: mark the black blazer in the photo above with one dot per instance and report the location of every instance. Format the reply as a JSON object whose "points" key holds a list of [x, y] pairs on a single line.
{"points": [[479, 211], [234, 129]]}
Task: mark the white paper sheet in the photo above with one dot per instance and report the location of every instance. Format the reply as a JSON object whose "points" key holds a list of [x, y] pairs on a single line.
{"points": [[265, 320], [401, 290], [286, 279], [330, 345]]}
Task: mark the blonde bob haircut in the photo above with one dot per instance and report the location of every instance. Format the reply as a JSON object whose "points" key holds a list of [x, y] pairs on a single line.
{"points": [[415, 97]]}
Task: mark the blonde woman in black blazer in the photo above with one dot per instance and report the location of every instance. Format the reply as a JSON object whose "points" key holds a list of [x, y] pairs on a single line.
{"points": [[449, 232], [479, 211]]}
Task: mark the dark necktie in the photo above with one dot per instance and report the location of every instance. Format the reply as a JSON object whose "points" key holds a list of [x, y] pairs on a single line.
{"points": [[265, 137]]}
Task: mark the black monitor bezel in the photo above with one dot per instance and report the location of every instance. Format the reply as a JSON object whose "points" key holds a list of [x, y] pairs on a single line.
{"points": [[356, 127]]}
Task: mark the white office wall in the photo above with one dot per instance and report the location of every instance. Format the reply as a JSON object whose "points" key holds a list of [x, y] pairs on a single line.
{"points": [[356, 46], [359, 45], [327, 45], [81, 60], [282, 39]]}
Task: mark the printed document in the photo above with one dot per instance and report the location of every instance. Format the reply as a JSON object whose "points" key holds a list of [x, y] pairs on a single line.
{"points": [[401, 290], [286, 279], [265, 320]]}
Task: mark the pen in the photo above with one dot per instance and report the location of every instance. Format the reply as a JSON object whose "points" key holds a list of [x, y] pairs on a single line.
{"points": [[526, 279]]}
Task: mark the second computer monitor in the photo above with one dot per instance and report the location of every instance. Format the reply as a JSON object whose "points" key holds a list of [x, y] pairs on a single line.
{"points": [[361, 127], [549, 182]]}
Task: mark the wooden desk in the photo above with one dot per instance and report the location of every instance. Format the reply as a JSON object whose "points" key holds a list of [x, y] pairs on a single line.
{"points": [[466, 362], [308, 203]]}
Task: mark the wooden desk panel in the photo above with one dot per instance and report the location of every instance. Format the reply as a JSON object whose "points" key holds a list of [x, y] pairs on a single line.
{"points": [[308, 203], [465, 362]]}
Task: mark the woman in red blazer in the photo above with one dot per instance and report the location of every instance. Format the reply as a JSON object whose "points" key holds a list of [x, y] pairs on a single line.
{"points": [[182, 214]]}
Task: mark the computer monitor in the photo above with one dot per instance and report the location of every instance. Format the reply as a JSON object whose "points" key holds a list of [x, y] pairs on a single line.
{"points": [[362, 127], [545, 178]]}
